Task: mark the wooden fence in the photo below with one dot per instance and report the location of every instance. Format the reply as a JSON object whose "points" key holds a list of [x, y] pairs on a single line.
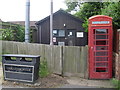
{"points": [[117, 57], [63, 60]]}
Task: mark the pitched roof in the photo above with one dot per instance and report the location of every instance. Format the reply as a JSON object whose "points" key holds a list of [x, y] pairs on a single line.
{"points": [[59, 11]]}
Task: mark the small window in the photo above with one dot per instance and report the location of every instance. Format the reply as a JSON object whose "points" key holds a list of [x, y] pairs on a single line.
{"points": [[61, 33], [55, 32], [58, 33]]}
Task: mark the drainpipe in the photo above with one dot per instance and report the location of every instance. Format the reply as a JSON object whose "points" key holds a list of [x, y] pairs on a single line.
{"points": [[27, 21]]}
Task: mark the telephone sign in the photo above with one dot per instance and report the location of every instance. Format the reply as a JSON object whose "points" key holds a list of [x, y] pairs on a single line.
{"points": [[100, 22]]}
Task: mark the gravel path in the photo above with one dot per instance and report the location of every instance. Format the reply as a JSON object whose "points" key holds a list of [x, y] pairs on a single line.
{"points": [[56, 81]]}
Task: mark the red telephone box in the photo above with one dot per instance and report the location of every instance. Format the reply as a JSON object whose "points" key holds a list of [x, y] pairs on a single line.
{"points": [[100, 47]]}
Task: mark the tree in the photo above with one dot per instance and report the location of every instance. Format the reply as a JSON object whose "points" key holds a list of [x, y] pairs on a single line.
{"points": [[89, 9], [12, 32], [20, 33], [72, 5], [85, 11], [113, 10], [7, 34]]}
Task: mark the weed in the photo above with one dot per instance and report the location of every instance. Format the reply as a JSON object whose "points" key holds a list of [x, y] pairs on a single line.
{"points": [[116, 83], [43, 72]]}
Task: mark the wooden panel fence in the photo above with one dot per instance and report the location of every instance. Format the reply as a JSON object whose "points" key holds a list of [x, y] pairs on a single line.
{"points": [[62, 60], [74, 61], [117, 57]]}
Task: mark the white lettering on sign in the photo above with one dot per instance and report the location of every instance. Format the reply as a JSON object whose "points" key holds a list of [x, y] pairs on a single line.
{"points": [[101, 22]]}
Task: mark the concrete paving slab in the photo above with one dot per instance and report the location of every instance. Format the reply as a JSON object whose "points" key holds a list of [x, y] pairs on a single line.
{"points": [[91, 83]]}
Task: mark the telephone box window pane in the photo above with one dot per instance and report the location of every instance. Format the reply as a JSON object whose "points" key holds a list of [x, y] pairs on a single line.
{"points": [[101, 70], [101, 53], [101, 58], [104, 64], [101, 31], [101, 47], [61, 33], [101, 42], [101, 36]]}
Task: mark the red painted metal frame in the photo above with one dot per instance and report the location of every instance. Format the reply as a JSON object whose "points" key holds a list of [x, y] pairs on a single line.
{"points": [[93, 74]]}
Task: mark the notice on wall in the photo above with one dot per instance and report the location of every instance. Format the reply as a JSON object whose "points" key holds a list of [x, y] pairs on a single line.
{"points": [[54, 39], [70, 33], [80, 34]]}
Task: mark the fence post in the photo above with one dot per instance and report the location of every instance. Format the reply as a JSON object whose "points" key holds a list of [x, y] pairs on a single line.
{"points": [[86, 63], [61, 58], [57, 59], [119, 55]]}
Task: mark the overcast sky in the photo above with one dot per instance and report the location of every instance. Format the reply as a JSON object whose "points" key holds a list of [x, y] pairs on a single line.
{"points": [[14, 10]]}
